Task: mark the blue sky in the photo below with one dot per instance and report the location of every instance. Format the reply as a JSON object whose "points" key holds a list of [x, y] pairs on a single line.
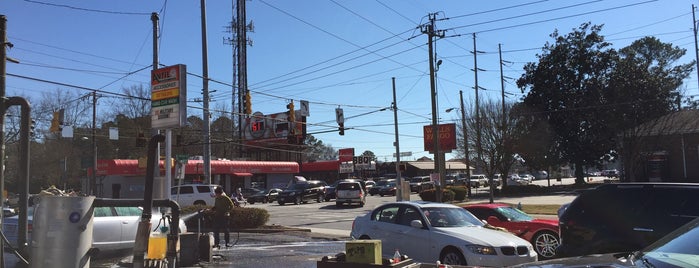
{"points": [[333, 53]]}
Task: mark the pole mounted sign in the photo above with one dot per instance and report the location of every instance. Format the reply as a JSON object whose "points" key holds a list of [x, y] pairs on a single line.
{"points": [[447, 137], [169, 96]]}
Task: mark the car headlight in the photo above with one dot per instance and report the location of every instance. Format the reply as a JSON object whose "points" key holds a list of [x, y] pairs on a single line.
{"points": [[482, 250]]}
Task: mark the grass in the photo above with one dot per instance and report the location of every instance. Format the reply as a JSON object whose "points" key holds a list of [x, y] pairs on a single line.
{"points": [[545, 209]]}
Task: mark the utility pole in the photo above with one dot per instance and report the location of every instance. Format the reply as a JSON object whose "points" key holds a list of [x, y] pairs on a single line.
{"points": [[438, 161], [502, 89], [696, 46], [394, 106], [479, 148], [154, 19], [466, 152], [238, 28], [93, 181], [205, 93], [3, 71]]}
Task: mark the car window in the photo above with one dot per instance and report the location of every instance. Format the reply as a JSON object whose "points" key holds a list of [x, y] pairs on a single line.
{"points": [[204, 189], [409, 214], [103, 212], [348, 186], [183, 190], [128, 211], [387, 214]]}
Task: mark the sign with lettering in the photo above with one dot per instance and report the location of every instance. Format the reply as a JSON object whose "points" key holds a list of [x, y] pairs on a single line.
{"points": [[447, 137], [169, 97]]}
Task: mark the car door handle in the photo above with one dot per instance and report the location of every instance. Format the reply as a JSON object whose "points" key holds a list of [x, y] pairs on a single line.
{"points": [[639, 229], [124, 222]]}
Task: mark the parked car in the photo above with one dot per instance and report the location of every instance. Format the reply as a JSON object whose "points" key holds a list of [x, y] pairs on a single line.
{"points": [[350, 192], [388, 189], [330, 191], [302, 192], [541, 233], [114, 228], [247, 192], [526, 178], [623, 217], [264, 196], [368, 185], [375, 189], [515, 180], [676, 249], [478, 180], [416, 183], [194, 194], [610, 173], [427, 232]]}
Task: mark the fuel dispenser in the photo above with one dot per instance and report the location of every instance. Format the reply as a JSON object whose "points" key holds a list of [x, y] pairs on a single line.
{"points": [[62, 231]]}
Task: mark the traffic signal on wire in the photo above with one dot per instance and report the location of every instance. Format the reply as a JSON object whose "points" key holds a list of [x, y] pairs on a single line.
{"points": [[342, 129]]}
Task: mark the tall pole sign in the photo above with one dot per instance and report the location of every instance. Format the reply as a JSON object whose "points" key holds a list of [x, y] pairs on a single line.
{"points": [[169, 97]]}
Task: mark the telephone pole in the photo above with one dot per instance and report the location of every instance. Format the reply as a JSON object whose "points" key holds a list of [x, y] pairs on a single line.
{"points": [[429, 29]]}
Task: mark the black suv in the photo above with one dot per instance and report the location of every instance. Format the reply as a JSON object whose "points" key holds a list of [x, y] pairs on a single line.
{"points": [[303, 191], [624, 217]]}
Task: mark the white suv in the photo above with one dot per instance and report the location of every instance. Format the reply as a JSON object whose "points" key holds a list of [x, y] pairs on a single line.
{"points": [[194, 194]]}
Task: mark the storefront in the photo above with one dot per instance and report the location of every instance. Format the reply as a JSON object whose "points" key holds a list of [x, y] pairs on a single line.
{"points": [[125, 178]]}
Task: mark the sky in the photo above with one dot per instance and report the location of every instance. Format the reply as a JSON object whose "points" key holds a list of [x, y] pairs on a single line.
{"points": [[331, 53]]}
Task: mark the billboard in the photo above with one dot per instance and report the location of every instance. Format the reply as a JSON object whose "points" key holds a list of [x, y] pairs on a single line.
{"points": [[273, 128]]}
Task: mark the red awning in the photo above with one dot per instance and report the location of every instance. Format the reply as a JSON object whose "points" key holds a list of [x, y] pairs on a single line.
{"points": [[242, 174], [245, 168], [321, 166]]}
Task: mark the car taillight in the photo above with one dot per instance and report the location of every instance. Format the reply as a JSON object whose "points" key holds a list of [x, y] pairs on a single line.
{"points": [[29, 227]]}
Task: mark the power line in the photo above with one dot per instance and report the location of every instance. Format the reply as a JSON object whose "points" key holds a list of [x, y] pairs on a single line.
{"points": [[88, 9]]}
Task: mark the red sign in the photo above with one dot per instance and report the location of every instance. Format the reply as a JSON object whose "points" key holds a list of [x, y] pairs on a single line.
{"points": [[447, 137], [346, 154]]}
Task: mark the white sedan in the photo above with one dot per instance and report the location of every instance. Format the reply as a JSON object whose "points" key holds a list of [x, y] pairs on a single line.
{"points": [[114, 228], [428, 232]]}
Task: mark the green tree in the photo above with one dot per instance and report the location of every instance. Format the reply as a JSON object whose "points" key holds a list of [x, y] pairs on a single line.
{"points": [[567, 86], [316, 150]]}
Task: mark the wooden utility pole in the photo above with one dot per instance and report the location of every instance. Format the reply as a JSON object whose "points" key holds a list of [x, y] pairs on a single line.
{"points": [[438, 161]]}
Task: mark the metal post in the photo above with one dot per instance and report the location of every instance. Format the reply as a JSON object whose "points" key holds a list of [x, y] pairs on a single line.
{"points": [[3, 65]]}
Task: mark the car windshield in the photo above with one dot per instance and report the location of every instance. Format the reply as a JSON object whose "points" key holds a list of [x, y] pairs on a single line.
{"points": [[514, 214], [390, 184], [679, 249], [416, 180], [450, 217]]}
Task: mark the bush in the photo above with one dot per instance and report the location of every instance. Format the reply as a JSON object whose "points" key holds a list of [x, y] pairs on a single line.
{"points": [[240, 218], [430, 195], [460, 192]]}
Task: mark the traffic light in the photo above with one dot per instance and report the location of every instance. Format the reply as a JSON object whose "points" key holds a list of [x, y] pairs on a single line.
{"points": [[292, 113], [342, 129], [56, 121], [248, 103]]}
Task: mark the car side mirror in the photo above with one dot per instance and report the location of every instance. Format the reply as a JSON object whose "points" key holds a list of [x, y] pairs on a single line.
{"points": [[416, 224], [492, 219]]}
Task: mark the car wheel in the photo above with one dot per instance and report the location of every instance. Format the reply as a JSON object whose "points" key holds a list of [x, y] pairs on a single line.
{"points": [[251, 202], [452, 256], [361, 204], [297, 200], [327, 198], [381, 195], [199, 203], [319, 199], [545, 244], [264, 200], [281, 203], [338, 204]]}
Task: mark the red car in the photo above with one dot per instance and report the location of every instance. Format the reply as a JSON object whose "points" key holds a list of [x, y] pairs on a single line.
{"points": [[542, 233]]}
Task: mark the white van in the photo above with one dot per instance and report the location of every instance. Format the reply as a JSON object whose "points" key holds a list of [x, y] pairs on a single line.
{"points": [[194, 194]]}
